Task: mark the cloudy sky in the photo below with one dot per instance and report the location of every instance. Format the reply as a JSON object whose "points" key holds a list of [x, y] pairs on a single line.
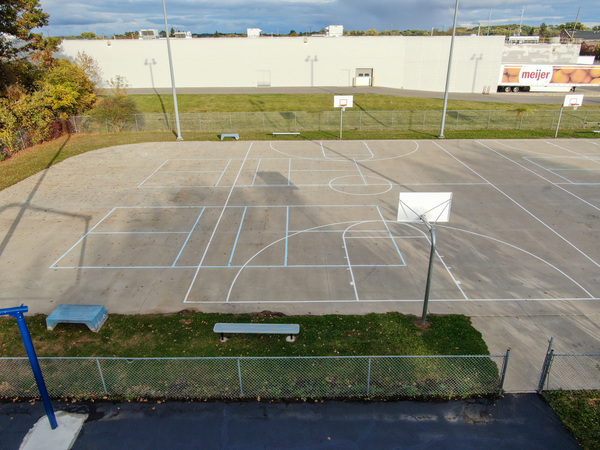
{"points": [[72, 17]]}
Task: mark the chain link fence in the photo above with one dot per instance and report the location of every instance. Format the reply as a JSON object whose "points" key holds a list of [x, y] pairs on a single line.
{"points": [[252, 377], [299, 121], [570, 372]]}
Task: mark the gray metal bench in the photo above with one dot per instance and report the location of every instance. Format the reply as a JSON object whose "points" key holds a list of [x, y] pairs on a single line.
{"points": [[236, 136], [91, 315], [286, 132], [291, 329]]}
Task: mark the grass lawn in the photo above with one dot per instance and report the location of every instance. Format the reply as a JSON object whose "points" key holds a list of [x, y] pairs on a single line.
{"points": [[190, 334], [580, 413], [199, 103]]}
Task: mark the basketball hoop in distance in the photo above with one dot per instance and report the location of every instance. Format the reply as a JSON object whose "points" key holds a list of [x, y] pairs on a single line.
{"points": [[343, 102], [573, 100]]}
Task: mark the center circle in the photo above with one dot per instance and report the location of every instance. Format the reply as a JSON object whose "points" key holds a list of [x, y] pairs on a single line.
{"points": [[360, 185]]}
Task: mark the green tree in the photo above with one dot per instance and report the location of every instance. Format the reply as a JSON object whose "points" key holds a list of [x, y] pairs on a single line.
{"points": [[88, 35], [115, 108], [18, 18]]}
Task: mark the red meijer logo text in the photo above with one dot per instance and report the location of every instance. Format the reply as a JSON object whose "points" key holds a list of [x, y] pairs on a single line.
{"points": [[536, 75]]}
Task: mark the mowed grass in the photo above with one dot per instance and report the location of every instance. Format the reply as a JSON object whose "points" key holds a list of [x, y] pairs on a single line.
{"points": [[580, 413], [189, 334], [200, 103]]}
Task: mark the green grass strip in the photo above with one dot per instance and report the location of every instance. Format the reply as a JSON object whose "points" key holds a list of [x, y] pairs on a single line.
{"points": [[580, 413], [190, 334]]}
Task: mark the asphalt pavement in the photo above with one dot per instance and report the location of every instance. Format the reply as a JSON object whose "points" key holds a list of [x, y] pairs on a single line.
{"points": [[512, 422]]}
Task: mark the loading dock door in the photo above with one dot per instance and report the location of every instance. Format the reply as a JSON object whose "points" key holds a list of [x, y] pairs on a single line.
{"points": [[364, 77]]}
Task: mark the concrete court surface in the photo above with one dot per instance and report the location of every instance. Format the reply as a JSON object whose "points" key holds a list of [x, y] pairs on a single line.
{"points": [[310, 227], [512, 422]]}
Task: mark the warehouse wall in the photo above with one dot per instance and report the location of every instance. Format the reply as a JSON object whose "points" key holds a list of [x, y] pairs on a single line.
{"points": [[397, 61]]}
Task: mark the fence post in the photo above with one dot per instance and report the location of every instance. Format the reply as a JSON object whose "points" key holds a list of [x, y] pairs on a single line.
{"points": [[489, 119], [74, 124], [369, 377], [240, 377], [457, 116], [101, 376], [136, 123], [504, 367], [106, 124], [546, 366]]}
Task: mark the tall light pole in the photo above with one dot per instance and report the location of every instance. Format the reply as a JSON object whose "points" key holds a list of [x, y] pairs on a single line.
{"points": [[448, 73], [179, 138]]}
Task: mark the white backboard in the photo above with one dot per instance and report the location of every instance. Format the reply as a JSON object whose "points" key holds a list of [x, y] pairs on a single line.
{"points": [[432, 206], [343, 101], [573, 100]]}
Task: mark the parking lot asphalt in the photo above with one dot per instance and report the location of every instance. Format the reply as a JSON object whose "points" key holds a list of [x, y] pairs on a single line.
{"points": [[511, 422]]}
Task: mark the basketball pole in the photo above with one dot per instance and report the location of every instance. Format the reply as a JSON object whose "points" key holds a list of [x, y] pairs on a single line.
{"points": [[559, 117], [429, 271], [341, 119]]}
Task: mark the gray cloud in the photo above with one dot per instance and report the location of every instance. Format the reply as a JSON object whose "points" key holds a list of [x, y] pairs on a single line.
{"points": [[207, 16]]}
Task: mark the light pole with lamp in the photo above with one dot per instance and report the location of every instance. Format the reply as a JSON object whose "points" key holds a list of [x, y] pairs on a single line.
{"points": [[441, 136], [179, 138]]}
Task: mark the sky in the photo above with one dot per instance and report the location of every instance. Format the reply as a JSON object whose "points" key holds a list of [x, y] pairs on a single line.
{"points": [[108, 17]]}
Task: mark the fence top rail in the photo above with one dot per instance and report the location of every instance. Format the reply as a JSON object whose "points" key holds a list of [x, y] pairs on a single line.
{"points": [[576, 354], [361, 111], [192, 358]]}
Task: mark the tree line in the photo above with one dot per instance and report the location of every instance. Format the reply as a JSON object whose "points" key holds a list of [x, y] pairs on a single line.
{"points": [[38, 92]]}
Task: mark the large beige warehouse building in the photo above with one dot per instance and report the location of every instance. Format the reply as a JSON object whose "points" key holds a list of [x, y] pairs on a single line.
{"points": [[401, 62]]}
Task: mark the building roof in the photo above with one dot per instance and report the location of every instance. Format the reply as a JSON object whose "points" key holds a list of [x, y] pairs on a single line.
{"points": [[584, 35]]}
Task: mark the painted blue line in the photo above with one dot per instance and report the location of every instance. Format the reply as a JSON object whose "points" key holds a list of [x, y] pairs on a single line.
{"points": [[256, 172], [391, 236], [188, 238], [223, 173], [237, 237]]}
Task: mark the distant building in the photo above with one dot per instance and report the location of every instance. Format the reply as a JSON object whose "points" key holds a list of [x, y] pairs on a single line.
{"points": [[183, 34], [335, 30], [587, 36], [253, 32], [149, 34]]}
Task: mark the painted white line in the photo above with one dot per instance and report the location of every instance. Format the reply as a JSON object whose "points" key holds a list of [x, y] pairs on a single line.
{"points": [[82, 238], [591, 296], [522, 207], [150, 176], [185, 300], [540, 176]]}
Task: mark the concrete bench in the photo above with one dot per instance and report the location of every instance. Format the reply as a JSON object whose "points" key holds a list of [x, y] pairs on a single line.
{"points": [[91, 315], [258, 328], [276, 133], [585, 124], [236, 136]]}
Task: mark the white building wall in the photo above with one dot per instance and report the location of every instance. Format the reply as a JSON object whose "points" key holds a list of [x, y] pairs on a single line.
{"points": [[400, 62]]}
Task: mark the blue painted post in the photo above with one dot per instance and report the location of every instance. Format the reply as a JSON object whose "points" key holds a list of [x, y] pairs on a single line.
{"points": [[17, 313]]}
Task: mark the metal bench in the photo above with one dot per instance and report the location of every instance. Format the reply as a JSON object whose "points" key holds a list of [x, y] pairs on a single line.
{"points": [[236, 136], [91, 315], [276, 133], [291, 329]]}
